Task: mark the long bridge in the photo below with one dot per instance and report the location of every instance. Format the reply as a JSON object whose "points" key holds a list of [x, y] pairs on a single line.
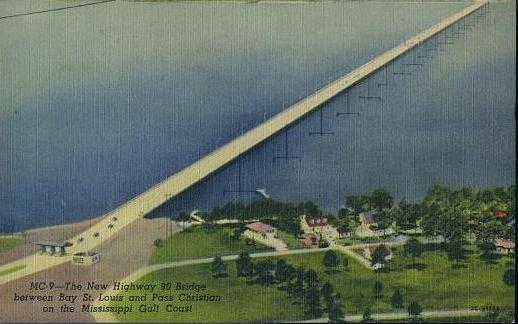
{"points": [[157, 195]]}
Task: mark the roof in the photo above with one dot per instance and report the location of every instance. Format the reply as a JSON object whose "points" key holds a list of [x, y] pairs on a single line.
{"points": [[368, 217], [504, 243], [500, 214], [343, 230], [309, 236], [52, 243], [317, 221], [309, 239], [86, 254], [260, 227]]}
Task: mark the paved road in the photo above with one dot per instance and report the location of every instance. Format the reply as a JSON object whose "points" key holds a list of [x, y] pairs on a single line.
{"points": [[399, 316], [120, 257], [182, 180]]}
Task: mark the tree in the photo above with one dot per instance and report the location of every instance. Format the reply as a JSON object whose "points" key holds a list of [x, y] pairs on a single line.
{"points": [[377, 288], [509, 277], [336, 313], [356, 202], [453, 226], [264, 271], [415, 212], [297, 288], [379, 255], [486, 233], [413, 248], [414, 309], [236, 234], [219, 268], [312, 302], [431, 221], [397, 299], [158, 243], [380, 199], [366, 316], [283, 271], [330, 260], [383, 224], [311, 278], [455, 250], [397, 214], [244, 265], [327, 292], [345, 263]]}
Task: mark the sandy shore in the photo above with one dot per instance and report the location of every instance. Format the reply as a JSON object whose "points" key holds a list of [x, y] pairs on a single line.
{"points": [[121, 255]]}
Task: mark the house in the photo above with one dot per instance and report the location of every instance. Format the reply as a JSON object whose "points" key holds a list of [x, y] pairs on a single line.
{"points": [[84, 258], [310, 240], [262, 229], [369, 251], [500, 214], [313, 224], [472, 221], [344, 232], [367, 219], [317, 222], [504, 245]]}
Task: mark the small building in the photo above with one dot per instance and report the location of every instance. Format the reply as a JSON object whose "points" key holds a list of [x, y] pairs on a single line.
{"points": [[344, 232], [317, 221], [313, 224], [310, 240], [53, 248], [367, 219], [369, 251], [504, 245], [85, 258], [472, 221], [261, 229], [500, 214]]}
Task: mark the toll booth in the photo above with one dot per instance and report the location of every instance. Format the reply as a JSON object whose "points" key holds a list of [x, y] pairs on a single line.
{"points": [[52, 248]]}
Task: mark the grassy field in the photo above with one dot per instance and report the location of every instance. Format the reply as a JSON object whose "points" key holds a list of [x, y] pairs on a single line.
{"points": [[11, 270], [438, 285], [290, 240], [8, 242], [198, 243], [240, 301]]}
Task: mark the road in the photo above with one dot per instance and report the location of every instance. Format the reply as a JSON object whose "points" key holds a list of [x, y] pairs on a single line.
{"points": [[400, 316], [155, 196]]}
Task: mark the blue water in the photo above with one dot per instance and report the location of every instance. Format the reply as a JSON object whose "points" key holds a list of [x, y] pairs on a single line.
{"points": [[101, 102]]}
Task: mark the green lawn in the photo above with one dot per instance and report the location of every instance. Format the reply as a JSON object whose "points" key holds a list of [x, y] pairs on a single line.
{"points": [[8, 242], [13, 269], [196, 243], [437, 286], [290, 240], [240, 301]]}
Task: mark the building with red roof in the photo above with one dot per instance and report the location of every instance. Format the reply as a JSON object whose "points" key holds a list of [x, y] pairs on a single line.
{"points": [[504, 245]]}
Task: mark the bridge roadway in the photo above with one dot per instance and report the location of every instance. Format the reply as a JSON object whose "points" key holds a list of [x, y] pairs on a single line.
{"points": [[187, 177]]}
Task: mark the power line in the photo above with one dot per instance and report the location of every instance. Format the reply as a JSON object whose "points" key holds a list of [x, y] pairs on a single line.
{"points": [[55, 9]]}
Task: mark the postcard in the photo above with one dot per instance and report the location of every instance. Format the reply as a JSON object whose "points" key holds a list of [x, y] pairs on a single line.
{"points": [[257, 161]]}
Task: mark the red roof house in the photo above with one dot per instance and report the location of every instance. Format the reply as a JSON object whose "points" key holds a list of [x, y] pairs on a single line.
{"points": [[500, 214], [261, 228], [317, 221]]}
